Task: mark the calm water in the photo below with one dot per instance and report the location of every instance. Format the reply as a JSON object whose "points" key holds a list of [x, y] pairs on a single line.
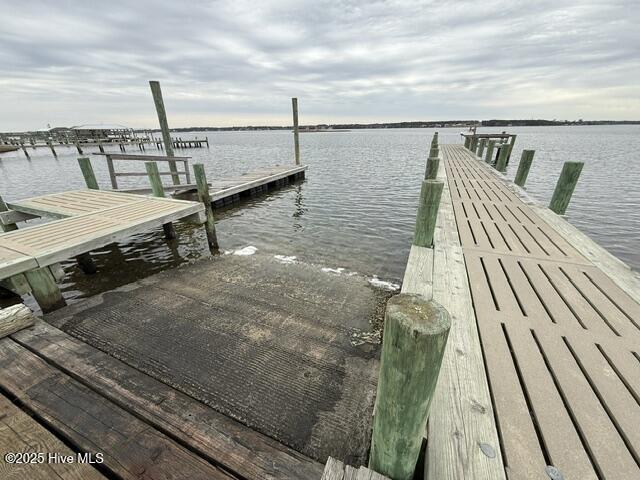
{"points": [[356, 208]]}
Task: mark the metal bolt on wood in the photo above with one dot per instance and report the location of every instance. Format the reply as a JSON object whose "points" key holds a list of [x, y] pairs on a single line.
{"points": [[414, 340], [565, 187]]}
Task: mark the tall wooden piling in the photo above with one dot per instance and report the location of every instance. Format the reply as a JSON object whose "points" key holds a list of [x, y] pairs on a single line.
{"points": [[88, 174], [158, 191], [467, 141], [414, 340], [433, 161], [512, 142], [481, 146], [523, 168], [503, 158], [24, 149], [164, 127], [204, 197], [490, 148], [565, 186], [45, 290], [427, 212], [296, 132], [79, 149], [53, 150]]}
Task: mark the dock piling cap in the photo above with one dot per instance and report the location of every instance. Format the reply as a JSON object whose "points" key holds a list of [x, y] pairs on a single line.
{"points": [[416, 312]]}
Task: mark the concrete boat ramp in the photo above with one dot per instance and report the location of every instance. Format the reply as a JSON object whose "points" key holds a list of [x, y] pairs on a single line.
{"points": [[232, 367]]}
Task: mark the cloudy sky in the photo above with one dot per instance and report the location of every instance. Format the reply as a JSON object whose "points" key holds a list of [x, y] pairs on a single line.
{"points": [[238, 62]]}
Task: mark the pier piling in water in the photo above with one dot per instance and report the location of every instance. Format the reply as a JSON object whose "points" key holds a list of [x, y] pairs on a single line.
{"points": [[296, 132], [491, 146], [45, 290], [565, 186], [433, 161], [204, 197], [88, 173], [427, 212], [158, 191], [164, 127], [414, 340], [53, 150], [503, 158], [523, 168], [481, 147]]}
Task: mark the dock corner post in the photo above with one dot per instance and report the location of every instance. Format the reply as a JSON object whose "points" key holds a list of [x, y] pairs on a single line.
{"points": [[204, 197], [414, 341], [156, 92], [427, 212], [503, 158], [296, 129], [45, 290], [158, 191], [87, 173], [523, 167], [565, 186]]}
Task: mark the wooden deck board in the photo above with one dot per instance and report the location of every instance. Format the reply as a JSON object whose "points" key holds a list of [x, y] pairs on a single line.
{"points": [[559, 322]]}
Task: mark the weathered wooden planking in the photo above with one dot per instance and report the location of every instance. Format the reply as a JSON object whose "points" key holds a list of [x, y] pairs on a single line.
{"points": [[13, 262], [211, 434], [278, 347], [21, 433], [93, 424], [461, 425], [14, 318]]}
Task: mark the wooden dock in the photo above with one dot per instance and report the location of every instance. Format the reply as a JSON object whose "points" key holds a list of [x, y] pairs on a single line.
{"points": [[558, 330]]}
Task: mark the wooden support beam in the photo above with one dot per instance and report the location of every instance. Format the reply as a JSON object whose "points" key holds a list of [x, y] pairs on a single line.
{"points": [[44, 289], [158, 191], [14, 319], [427, 212], [565, 187], [164, 127], [205, 198], [112, 172], [523, 167], [88, 174], [414, 340], [296, 133], [6, 227]]}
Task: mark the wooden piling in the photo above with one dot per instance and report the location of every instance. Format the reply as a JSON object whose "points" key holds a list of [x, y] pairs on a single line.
{"points": [[491, 146], [45, 290], [53, 150], [24, 149], [467, 142], [164, 127], [565, 186], [503, 158], [481, 146], [158, 191], [523, 168], [87, 173], [100, 147], [79, 149], [296, 133], [204, 197], [414, 340], [512, 142], [9, 227], [427, 212]]}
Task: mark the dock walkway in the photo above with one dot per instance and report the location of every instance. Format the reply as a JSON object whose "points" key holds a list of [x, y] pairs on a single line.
{"points": [[559, 328]]}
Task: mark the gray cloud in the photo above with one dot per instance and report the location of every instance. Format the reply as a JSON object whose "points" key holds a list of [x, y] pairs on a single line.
{"points": [[238, 62]]}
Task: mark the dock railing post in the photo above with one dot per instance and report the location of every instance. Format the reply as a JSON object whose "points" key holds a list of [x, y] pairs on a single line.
{"points": [[503, 158], [414, 340], [158, 191], [204, 197], [427, 212], [296, 130], [164, 127], [433, 161], [565, 187], [523, 167], [88, 174], [490, 148]]}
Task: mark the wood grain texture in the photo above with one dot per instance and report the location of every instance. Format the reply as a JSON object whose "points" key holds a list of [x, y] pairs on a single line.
{"points": [[14, 318]]}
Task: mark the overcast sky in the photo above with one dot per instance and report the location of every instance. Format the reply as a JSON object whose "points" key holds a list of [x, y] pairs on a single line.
{"points": [[224, 63]]}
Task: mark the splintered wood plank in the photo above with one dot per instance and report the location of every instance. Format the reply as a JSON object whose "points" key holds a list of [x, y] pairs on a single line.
{"points": [[211, 434], [461, 426], [21, 433], [93, 424]]}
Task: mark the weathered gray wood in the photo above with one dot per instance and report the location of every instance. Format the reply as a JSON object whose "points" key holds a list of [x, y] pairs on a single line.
{"points": [[205, 198], [523, 167], [565, 187], [112, 172], [44, 289], [431, 172], [144, 158], [87, 173], [503, 158], [414, 340], [164, 127], [14, 318], [17, 284], [296, 133], [481, 146], [158, 191], [6, 227], [512, 142], [418, 276], [489, 157], [427, 212], [333, 470]]}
